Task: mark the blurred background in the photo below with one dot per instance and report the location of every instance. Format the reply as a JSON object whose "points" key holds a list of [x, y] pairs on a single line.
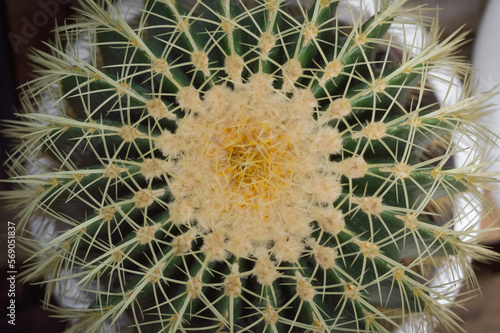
{"points": [[25, 24]]}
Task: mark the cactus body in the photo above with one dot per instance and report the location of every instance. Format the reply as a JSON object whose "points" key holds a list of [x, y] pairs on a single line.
{"points": [[239, 167]]}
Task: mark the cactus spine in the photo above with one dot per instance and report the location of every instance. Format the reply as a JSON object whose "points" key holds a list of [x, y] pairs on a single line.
{"points": [[244, 168]]}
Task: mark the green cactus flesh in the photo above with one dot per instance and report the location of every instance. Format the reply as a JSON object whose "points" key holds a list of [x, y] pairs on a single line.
{"points": [[234, 167]]}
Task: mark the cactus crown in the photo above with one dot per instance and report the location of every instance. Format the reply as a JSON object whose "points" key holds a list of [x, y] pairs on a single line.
{"points": [[253, 168]]}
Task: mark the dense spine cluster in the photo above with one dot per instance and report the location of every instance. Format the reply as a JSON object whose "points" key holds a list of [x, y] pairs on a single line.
{"points": [[239, 167]]}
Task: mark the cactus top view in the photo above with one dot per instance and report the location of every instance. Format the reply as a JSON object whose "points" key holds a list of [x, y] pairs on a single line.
{"points": [[248, 166]]}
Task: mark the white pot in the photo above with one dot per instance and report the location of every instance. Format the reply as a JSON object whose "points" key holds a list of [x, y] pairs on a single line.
{"points": [[486, 60]]}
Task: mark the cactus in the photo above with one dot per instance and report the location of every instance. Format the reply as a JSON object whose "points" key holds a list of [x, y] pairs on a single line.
{"points": [[238, 167]]}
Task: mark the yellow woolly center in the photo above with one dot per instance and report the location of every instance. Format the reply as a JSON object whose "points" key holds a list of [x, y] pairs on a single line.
{"points": [[256, 163], [249, 167]]}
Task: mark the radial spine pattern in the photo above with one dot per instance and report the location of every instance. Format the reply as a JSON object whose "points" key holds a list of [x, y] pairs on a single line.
{"points": [[245, 166]]}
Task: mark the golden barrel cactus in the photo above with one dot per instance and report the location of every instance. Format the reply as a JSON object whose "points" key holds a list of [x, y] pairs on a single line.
{"points": [[246, 167]]}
